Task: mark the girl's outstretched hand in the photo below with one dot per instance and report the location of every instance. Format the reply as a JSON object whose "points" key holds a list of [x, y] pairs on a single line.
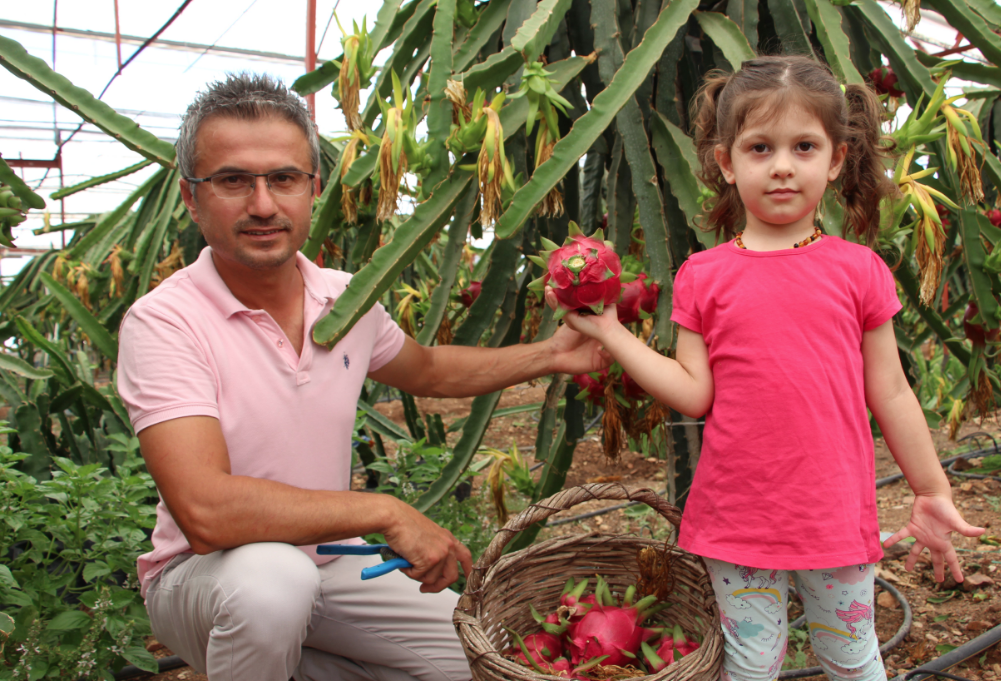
{"points": [[592, 326], [933, 517]]}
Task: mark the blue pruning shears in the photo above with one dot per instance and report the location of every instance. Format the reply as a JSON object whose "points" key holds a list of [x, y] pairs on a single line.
{"points": [[393, 560]]}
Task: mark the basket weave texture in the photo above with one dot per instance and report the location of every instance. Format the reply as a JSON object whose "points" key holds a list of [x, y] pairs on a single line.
{"points": [[501, 587]]}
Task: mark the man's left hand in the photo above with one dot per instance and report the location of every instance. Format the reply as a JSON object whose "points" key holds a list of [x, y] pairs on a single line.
{"points": [[574, 353]]}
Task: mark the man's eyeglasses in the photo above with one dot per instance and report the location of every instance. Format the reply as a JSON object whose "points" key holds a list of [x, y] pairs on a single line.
{"points": [[241, 185]]}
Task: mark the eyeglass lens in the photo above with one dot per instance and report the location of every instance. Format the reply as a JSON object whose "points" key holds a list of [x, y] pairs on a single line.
{"points": [[240, 185]]}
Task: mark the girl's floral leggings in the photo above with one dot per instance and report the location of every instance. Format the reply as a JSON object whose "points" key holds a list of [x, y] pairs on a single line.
{"points": [[839, 606]]}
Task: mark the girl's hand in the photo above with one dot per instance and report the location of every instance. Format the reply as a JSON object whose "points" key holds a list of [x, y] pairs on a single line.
{"points": [[592, 326], [932, 519]]}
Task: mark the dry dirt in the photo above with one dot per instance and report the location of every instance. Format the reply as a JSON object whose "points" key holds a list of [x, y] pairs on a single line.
{"points": [[944, 615]]}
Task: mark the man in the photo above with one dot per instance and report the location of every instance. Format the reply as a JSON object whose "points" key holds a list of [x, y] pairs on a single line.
{"points": [[246, 425]]}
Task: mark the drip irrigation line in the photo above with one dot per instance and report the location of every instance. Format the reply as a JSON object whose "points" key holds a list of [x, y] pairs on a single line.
{"points": [[952, 658]]}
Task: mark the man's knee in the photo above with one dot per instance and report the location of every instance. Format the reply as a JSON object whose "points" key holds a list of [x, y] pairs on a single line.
{"points": [[272, 583]]}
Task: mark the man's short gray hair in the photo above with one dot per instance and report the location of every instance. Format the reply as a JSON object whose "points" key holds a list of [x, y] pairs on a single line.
{"points": [[245, 96]]}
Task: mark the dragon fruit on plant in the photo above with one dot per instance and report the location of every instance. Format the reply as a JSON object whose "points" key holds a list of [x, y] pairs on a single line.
{"points": [[638, 298], [585, 272], [468, 295]]}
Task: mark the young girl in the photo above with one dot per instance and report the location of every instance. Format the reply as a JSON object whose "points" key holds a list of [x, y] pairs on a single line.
{"points": [[785, 339]]}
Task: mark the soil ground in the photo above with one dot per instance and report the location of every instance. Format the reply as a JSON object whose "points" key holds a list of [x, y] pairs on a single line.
{"points": [[944, 615]]}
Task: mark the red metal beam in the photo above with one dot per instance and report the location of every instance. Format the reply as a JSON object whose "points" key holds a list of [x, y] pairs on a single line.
{"points": [[311, 51]]}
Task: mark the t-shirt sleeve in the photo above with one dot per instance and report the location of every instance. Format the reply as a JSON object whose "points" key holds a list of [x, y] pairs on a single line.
{"points": [[684, 309], [163, 374], [389, 338], [881, 301]]}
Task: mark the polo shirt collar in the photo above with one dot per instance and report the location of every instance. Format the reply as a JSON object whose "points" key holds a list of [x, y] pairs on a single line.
{"points": [[206, 278]]}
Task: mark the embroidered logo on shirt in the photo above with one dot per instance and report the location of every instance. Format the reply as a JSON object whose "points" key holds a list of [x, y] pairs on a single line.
{"points": [[347, 362]]}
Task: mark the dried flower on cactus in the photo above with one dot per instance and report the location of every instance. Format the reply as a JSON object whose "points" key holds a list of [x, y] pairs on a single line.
{"points": [[355, 73]]}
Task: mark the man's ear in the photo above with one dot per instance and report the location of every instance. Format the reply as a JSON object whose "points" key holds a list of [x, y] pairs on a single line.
{"points": [[837, 161], [725, 163], [188, 196]]}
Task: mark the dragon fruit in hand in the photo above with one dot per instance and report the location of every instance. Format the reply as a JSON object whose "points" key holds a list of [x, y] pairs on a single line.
{"points": [[585, 272]]}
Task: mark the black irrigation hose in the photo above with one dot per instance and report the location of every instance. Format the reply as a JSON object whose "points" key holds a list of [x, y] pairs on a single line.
{"points": [[902, 632], [953, 657]]}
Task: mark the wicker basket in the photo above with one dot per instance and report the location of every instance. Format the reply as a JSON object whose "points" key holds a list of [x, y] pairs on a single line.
{"points": [[501, 587]]}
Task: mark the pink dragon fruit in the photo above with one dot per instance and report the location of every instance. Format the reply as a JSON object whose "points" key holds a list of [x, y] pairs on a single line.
{"points": [[595, 387], [468, 295], [540, 648], [607, 630], [637, 297], [585, 272]]}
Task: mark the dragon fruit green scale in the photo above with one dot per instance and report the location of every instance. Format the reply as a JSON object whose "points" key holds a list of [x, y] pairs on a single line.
{"points": [[584, 272]]}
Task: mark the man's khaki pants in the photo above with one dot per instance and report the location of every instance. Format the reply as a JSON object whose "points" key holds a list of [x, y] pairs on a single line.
{"points": [[266, 612]]}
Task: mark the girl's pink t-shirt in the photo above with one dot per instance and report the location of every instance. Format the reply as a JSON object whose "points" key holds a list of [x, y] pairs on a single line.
{"points": [[786, 477], [190, 348]]}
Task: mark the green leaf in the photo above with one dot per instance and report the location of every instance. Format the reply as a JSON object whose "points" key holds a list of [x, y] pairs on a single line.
{"points": [[63, 368], [141, 658], [973, 27], [789, 26], [836, 46], [18, 366], [95, 181], [15, 59], [95, 569], [744, 13], [114, 217], [538, 30], [439, 113], [87, 322], [450, 262], [368, 285], [22, 191], [676, 151], [7, 580], [491, 19], [888, 40], [727, 37], [68, 620], [472, 434], [591, 125]]}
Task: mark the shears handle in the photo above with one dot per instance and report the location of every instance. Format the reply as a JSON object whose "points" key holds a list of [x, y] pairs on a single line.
{"points": [[384, 568]]}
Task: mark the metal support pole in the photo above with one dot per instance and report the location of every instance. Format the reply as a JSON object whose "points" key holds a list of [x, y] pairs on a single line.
{"points": [[310, 51]]}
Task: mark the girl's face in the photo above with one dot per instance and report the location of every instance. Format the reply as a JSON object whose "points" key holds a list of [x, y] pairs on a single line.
{"points": [[781, 166]]}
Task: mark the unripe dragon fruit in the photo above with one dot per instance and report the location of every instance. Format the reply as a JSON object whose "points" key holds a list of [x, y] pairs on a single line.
{"points": [[468, 295], [637, 296], [585, 272]]}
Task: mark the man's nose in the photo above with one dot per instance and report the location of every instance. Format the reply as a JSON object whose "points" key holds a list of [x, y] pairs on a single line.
{"points": [[262, 202]]}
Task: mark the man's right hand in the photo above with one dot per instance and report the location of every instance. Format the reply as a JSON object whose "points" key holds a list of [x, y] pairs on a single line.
{"points": [[433, 551]]}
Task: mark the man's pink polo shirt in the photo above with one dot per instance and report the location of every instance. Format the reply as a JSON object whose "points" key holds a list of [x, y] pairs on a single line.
{"points": [[190, 348]]}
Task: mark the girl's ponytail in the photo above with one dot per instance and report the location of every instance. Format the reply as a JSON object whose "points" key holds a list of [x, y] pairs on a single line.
{"points": [[864, 182], [726, 209]]}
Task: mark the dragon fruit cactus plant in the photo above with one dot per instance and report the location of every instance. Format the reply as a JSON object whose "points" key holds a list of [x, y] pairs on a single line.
{"points": [[585, 272]]}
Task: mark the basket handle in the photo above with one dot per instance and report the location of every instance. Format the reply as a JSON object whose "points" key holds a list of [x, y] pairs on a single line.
{"points": [[561, 501]]}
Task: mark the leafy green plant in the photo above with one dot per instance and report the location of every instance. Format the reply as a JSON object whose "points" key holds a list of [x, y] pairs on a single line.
{"points": [[68, 547]]}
